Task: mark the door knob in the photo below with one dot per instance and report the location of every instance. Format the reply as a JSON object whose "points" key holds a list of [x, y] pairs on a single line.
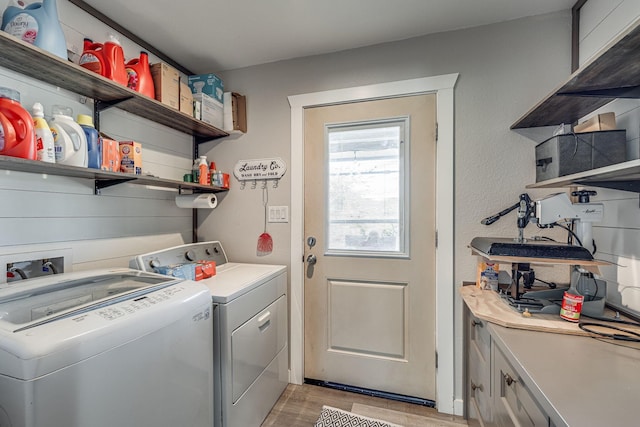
{"points": [[508, 378], [475, 387], [311, 259]]}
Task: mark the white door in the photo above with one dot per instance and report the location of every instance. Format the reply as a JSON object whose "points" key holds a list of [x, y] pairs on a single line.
{"points": [[369, 287]]}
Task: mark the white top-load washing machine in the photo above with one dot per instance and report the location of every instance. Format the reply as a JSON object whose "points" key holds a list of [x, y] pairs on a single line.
{"points": [[105, 348], [250, 330]]}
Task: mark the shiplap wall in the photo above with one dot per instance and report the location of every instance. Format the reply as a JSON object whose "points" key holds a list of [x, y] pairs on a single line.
{"points": [[618, 235], [43, 213]]}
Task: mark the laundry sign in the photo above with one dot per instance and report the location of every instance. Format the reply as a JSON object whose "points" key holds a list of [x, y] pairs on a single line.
{"points": [[260, 169]]}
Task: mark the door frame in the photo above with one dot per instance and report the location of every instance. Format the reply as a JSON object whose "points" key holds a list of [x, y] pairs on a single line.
{"points": [[443, 87]]}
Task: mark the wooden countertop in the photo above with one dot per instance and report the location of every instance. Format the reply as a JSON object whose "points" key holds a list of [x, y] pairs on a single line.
{"points": [[489, 306]]}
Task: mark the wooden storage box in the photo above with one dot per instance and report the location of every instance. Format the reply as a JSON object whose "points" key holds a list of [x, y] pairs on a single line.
{"points": [[235, 112]]}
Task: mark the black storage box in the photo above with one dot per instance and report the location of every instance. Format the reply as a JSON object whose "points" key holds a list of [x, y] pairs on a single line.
{"points": [[572, 153]]}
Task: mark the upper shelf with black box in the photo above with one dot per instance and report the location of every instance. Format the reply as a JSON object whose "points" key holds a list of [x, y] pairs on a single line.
{"points": [[591, 158], [613, 73]]}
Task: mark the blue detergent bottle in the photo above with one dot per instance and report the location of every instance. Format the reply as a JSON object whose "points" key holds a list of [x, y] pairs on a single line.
{"points": [[93, 148], [36, 23]]}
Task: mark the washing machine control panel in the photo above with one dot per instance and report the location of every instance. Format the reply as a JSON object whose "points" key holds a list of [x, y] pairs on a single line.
{"points": [[141, 303]]}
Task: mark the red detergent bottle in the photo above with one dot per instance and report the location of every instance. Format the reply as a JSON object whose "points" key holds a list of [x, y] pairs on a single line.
{"points": [[105, 59], [17, 138], [139, 75]]}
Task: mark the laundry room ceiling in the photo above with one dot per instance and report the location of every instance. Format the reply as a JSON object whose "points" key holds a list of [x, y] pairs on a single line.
{"points": [[218, 35]]}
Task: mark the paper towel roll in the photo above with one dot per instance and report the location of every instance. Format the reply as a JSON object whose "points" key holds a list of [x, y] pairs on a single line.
{"points": [[197, 201]]}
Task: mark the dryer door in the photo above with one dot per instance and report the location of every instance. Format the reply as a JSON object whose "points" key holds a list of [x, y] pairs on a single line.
{"points": [[256, 343]]}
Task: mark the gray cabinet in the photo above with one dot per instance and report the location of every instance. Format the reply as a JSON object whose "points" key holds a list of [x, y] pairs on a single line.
{"points": [[513, 403], [478, 371], [545, 378], [495, 394]]}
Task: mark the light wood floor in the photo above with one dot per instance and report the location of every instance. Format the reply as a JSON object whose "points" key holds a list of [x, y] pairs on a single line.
{"points": [[300, 405]]}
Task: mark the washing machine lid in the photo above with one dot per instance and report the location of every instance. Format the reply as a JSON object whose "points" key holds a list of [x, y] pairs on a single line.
{"points": [[235, 279], [44, 300], [125, 305]]}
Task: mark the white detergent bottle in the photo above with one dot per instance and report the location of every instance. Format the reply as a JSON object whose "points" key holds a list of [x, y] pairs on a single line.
{"points": [[44, 137], [69, 138]]}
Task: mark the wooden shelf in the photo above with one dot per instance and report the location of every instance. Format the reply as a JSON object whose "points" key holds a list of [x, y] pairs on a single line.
{"points": [[615, 73], [622, 176], [34, 62], [102, 179]]}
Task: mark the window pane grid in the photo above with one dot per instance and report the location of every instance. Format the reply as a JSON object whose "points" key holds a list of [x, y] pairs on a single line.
{"points": [[365, 175]]}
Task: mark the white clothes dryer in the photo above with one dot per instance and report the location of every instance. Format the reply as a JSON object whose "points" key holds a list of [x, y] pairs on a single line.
{"points": [[105, 348], [251, 356]]}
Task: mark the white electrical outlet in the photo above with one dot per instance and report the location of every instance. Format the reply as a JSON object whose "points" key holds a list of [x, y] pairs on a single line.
{"points": [[278, 213]]}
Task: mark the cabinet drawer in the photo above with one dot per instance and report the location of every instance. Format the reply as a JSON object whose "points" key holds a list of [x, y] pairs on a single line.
{"points": [[514, 405], [479, 384], [479, 339]]}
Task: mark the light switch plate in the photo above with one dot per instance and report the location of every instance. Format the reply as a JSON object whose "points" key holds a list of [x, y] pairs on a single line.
{"points": [[278, 213]]}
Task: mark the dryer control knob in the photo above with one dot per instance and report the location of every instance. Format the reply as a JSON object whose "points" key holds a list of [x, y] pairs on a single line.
{"points": [[190, 255], [154, 263]]}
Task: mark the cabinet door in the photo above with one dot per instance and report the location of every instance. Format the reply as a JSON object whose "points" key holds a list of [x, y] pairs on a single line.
{"points": [[514, 405], [478, 372], [479, 393]]}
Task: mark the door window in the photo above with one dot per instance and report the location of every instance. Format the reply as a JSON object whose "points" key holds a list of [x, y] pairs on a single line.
{"points": [[365, 193]]}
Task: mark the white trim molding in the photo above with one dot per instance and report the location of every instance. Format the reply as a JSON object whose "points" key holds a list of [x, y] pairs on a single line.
{"points": [[443, 86]]}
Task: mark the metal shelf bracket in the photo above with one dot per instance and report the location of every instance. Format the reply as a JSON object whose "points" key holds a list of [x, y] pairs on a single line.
{"points": [[99, 184]]}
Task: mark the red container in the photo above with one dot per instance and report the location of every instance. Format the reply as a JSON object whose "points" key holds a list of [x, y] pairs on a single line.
{"points": [[105, 59], [139, 75], [205, 269], [17, 128], [571, 307]]}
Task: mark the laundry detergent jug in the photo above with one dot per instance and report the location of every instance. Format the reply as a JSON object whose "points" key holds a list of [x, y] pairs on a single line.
{"points": [[16, 127], [93, 150], [68, 137], [45, 147], [139, 75], [105, 59], [36, 23]]}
